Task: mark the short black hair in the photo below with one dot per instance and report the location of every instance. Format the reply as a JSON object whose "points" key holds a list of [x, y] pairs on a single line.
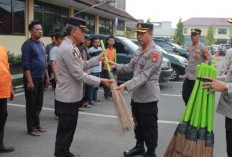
{"points": [[95, 39], [69, 29], [34, 22], [110, 37]]}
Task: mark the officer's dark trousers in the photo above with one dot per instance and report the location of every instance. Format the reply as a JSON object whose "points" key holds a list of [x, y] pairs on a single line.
{"points": [[3, 117], [34, 103], [187, 89], [229, 136], [67, 122], [106, 90], [146, 116], [86, 94]]}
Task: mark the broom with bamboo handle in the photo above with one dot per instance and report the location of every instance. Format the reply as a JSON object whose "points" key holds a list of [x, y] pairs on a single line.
{"points": [[200, 148], [191, 140], [180, 137], [209, 143], [125, 120]]}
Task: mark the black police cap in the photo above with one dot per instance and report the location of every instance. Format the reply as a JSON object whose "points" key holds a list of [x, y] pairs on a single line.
{"points": [[78, 22], [195, 31], [144, 27]]}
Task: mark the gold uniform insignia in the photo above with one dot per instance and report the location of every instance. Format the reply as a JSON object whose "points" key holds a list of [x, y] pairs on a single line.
{"points": [[145, 54], [74, 45], [138, 52]]}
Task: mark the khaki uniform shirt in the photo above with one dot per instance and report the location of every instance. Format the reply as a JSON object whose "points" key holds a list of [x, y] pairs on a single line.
{"points": [[146, 68], [227, 63], [225, 101], [196, 55], [71, 77]]}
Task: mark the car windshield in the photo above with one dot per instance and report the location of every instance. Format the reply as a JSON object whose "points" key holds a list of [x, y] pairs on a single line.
{"points": [[161, 49], [130, 44]]}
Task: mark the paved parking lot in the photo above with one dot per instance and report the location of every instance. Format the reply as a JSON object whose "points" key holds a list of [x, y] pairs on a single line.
{"points": [[97, 133]]}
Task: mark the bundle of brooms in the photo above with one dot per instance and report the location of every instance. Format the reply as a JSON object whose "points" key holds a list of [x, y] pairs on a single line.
{"points": [[124, 116], [194, 135]]}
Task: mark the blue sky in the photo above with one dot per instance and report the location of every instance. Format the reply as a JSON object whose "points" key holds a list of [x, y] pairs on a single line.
{"points": [[172, 10]]}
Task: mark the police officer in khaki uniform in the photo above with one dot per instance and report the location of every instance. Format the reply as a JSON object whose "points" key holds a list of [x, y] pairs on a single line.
{"points": [[197, 54], [227, 63], [225, 101], [69, 88], [144, 86], [224, 106]]}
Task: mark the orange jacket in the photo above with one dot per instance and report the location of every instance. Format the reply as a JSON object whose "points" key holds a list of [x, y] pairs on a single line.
{"points": [[5, 76], [111, 56]]}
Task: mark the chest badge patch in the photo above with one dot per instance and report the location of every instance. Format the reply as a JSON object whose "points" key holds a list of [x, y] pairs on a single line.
{"points": [[196, 56], [75, 54], [155, 57], [206, 53], [135, 59]]}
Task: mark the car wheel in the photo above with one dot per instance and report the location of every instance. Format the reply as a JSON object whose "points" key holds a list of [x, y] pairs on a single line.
{"points": [[175, 74]]}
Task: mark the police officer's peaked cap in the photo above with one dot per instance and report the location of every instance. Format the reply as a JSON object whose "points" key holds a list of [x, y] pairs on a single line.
{"points": [[230, 21], [78, 22], [144, 27], [195, 31]]}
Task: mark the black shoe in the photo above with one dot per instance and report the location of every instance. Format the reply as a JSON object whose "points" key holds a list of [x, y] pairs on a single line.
{"points": [[72, 155], [150, 153], [4, 149], [135, 151]]}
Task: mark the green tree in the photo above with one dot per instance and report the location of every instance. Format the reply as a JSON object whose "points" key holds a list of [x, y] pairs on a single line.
{"points": [[179, 36], [148, 20], [209, 36]]}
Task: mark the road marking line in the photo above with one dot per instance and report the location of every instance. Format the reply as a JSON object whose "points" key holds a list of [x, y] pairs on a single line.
{"points": [[170, 95], [174, 82], [127, 93], [19, 94], [92, 114]]}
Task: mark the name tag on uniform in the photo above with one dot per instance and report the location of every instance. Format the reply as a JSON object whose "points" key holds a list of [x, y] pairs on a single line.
{"points": [[198, 50]]}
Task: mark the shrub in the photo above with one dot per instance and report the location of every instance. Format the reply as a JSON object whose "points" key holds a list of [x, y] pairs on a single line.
{"points": [[14, 59]]}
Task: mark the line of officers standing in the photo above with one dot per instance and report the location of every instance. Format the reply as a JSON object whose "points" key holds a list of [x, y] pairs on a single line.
{"points": [[144, 86]]}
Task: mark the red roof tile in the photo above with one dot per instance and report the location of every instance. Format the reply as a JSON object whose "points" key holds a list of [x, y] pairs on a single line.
{"points": [[207, 22], [108, 8]]}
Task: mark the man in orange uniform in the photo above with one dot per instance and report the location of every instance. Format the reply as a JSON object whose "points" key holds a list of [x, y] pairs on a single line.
{"points": [[111, 51], [6, 91]]}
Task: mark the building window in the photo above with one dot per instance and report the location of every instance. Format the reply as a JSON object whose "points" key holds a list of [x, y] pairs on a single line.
{"points": [[105, 26], [222, 31], [121, 25], [12, 15], [90, 21], [51, 16], [185, 30]]}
